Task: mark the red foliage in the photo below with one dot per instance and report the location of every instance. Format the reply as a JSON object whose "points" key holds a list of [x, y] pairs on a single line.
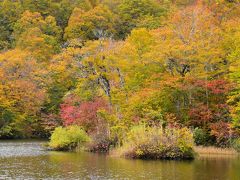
{"points": [[215, 87], [82, 113], [222, 132], [213, 108], [218, 86], [200, 115]]}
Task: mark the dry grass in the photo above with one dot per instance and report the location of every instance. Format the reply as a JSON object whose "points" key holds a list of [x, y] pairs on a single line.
{"points": [[117, 152], [214, 151]]}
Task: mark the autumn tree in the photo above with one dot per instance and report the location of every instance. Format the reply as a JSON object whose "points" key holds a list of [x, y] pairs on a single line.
{"points": [[22, 93], [90, 25], [9, 14], [231, 46], [35, 34], [138, 13]]}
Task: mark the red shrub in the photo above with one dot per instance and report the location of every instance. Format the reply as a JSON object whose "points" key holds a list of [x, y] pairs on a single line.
{"points": [[83, 113], [222, 132], [218, 86], [200, 115]]}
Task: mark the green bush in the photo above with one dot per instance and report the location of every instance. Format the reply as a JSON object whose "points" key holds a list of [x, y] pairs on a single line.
{"points": [[236, 144], [200, 136], [156, 143], [64, 139]]}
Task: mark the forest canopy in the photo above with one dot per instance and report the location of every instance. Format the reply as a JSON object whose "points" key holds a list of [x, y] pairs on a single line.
{"points": [[107, 66]]}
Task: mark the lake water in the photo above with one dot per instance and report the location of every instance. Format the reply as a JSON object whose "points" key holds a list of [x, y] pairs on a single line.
{"points": [[28, 160]]}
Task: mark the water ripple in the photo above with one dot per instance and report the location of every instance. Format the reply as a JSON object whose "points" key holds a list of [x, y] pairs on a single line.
{"points": [[13, 149]]}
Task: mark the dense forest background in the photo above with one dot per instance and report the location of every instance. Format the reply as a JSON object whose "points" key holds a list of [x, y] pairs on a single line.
{"points": [[107, 65]]}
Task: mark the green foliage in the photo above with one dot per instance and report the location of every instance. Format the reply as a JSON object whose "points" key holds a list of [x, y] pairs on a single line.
{"points": [[156, 143], [133, 13], [42, 6], [68, 138], [200, 136], [236, 144], [10, 12]]}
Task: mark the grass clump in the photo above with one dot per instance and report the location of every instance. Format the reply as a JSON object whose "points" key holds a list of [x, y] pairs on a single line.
{"points": [[211, 150], [156, 143], [68, 138]]}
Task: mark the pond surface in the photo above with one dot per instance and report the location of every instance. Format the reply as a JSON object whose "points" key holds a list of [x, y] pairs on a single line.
{"points": [[28, 160]]}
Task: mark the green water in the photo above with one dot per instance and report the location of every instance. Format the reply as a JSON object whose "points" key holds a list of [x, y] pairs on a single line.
{"points": [[28, 160]]}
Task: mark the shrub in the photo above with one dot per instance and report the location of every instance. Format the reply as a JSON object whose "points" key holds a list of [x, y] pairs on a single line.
{"points": [[236, 144], [83, 113], [99, 144], [100, 140], [221, 131], [200, 136], [68, 138], [156, 143]]}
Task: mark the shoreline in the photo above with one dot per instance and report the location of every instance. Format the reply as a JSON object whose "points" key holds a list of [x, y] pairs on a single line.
{"points": [[199, 150]]}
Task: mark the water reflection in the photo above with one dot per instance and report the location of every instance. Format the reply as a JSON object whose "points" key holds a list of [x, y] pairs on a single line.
{"points": [[56, 165]]}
